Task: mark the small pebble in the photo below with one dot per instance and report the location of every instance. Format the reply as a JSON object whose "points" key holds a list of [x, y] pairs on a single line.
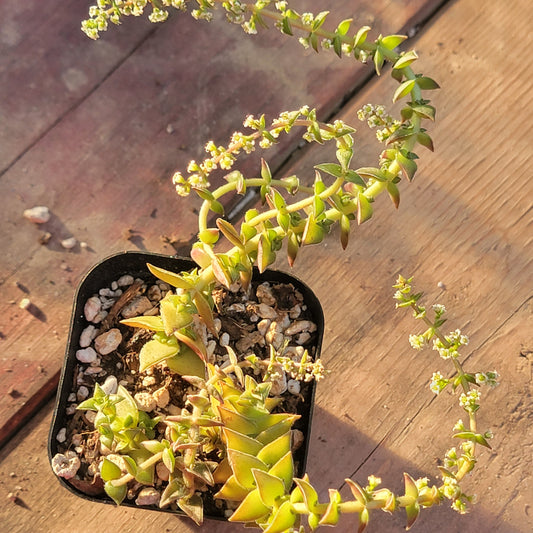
{"points": [[86, 355], [38, 214], [82, 394], [125, 280], [224, 339], [162, 397], [92, 308], [87, 336], [108, 342], [67, 465], [148, 496], [110, 385], [69, 243], [293, 386], [61, 435], [145, 402], [25, 303]]}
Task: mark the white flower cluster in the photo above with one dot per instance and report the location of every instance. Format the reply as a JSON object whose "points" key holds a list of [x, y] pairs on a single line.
{"points": [[453, 342], [488, 378], [438, 383], [377, 116], [469, 401], [418, 342]]}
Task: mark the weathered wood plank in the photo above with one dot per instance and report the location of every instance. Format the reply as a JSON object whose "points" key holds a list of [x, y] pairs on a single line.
{"points": [[105, 153], [47, 68]]}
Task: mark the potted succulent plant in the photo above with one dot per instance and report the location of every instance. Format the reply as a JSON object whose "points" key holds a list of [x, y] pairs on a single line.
{"points": [[186, 383]]}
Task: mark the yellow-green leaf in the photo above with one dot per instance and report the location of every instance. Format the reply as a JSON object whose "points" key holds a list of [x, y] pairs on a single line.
{"points": [[154, 352], [186, 363], [109, 470], [153, 323], [242, 464], [270, 487], [274, 451], [251, 509], [283, 519], [176, 280]]}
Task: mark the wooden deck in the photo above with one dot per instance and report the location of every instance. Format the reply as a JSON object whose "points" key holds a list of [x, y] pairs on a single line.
{"points": [[94, 131]]}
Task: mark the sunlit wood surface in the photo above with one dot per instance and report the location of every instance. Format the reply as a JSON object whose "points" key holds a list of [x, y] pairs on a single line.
{"points": [[94, 130]]}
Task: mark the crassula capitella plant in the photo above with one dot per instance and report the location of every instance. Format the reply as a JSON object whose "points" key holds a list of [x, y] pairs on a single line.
{"points": [[231, 412]]}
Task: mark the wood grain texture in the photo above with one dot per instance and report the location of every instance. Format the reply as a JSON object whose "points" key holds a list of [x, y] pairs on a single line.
{"points": [[100, 153]]}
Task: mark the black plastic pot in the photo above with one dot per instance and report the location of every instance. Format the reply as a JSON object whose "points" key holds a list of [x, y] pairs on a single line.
{"points": [[134, 263]]}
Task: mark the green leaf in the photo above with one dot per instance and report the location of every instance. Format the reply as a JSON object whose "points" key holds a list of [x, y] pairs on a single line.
{"points": [[378, 60], [173, 317], [401, 134], [394, 193], [176, 280], [283, 519], [337, 45], [390, 42], [360, 36], [109, 470], [216, 207], [186, 363], [277, 200], [153, 323], [332, 514], [293, 247], [425, 140], [153, 446], [126, 407], [220, 271], [309, 494], [403, 89], [343, 27], [371, 172], [251, 509], [424, 110], [271, 453], [345, 231], [193, 507], [271, 488], [265, 256], [284, 469], [242, 464], [286, 26], [117, 494], [411, 492], [313, 232], [407, 165], [313, 41], [364, 209], [229, 231], [405, 59], [427, 84], [330, 168], [353, 177], [143, 475], [209, 236], [169, 460], [344, 157], [175, 490], [154, 352], [243, 443]]}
